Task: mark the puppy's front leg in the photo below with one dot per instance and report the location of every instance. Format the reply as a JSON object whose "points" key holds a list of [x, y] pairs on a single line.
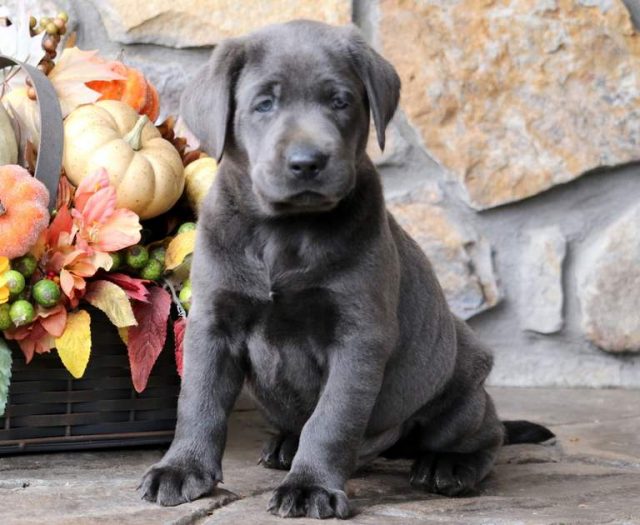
{"points": [[211, 383], [330, 439]]}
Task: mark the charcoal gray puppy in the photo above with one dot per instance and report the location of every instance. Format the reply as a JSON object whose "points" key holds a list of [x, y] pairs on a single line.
{"points": [[306, 289]]}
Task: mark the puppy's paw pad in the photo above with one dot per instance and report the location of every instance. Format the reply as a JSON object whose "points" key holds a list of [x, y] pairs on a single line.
{"points": [[171, 485], [279, 451], [446, 474], [295, 500]]}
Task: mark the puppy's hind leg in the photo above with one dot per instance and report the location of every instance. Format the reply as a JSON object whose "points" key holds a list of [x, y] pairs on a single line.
{"points": [[279, 451], [457, 449]]}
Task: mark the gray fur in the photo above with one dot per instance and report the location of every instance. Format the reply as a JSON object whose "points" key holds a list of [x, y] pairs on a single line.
{"points": [[319, 302]]}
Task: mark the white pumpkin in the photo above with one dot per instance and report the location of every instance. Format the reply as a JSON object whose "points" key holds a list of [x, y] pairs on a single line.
{"points": [[8, 142], [146, 169]]}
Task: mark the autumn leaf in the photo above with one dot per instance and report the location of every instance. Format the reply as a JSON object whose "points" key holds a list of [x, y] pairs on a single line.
{"points": [[134, 288], [181, 246], [5, 374], [73, 69], [113, 301], [179, 328], [74, 345], [124, 334], [147, 339]]}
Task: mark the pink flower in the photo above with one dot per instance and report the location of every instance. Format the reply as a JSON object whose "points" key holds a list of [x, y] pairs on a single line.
{"points": [[101, 226], [73, 266]]}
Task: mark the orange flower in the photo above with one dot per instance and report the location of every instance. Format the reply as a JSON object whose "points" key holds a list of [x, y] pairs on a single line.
{"points": [[73, 266], [101, 226], [39, 336]]}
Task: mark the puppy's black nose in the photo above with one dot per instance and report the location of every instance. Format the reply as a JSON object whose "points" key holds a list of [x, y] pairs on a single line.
{"points": [[306, 162]]}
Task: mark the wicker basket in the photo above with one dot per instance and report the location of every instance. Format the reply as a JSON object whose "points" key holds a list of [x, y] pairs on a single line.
{"points": [[49, 410]]}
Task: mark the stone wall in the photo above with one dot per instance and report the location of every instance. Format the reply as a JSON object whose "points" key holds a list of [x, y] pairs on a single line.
{"points": [[511, 160]]}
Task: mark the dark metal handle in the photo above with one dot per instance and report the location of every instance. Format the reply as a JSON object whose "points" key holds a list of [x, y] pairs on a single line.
{"points": [[49, 159]]}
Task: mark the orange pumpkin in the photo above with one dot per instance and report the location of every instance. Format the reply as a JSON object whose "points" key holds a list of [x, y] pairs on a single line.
{"points": [[23, 210], [135, 90]]}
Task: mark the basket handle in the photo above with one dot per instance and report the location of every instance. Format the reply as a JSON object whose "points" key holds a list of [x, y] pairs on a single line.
{"points": [[49, 158]]}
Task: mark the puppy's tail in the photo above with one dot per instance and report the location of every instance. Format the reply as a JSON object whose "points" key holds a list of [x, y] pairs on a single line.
{"points": [[525, 432]]}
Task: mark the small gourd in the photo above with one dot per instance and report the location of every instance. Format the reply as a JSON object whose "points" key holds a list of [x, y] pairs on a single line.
{"points": [[23, 210], [199, 176], [146, 170]]}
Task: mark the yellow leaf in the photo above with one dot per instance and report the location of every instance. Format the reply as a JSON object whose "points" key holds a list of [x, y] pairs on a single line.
{"points": [[74, 345], [73, 69], [181, 246], [123, 332], [113, 301]]}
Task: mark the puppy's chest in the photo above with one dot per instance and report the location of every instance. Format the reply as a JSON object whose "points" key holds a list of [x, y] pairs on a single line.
{"points": [[282, 316]]}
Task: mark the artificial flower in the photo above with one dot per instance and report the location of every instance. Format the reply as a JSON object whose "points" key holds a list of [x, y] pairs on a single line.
{"points": [[74, 266], [39, 337], [101, 226]]}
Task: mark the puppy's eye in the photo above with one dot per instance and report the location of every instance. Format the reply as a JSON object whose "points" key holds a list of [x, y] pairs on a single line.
{"points": [[339, 103], [264, 106]]}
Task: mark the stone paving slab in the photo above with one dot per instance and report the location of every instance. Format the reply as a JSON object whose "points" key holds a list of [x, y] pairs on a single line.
{"points": [[591, 474]]}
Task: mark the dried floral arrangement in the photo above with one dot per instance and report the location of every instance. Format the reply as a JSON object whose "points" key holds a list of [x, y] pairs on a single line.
{"points": [[121, 232]]}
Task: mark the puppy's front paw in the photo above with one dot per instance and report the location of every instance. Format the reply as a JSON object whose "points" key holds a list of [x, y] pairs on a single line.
{"points": [[291, 500], [173, 483]]}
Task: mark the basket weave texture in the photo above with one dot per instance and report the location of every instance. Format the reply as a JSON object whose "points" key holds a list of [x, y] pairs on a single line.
{"points": [[48, 410]]}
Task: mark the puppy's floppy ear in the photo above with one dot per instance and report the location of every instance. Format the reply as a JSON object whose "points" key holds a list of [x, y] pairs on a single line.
{"points": [[380, 81], [206, 105]]}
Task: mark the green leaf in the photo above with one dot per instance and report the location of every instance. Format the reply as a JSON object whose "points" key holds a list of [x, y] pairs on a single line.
{"points": [[5, 374]]}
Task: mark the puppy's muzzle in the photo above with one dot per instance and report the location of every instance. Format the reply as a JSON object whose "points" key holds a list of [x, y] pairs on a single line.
{"points": [[306, 162]]}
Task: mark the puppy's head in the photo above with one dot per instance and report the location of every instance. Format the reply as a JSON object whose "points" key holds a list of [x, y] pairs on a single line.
{"points": [[294, 100]]}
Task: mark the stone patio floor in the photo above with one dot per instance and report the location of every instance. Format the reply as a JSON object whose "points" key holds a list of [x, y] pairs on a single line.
{"points": [[590, 474]]}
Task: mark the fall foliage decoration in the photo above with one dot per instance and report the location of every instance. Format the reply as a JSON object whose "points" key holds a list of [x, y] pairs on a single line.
{"points": [[133, 89], [23, 210], [146, 169], [91, 253]]}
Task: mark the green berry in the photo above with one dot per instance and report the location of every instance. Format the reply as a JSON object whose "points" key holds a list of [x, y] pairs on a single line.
{"points": [[187, 227], [46, 293], [185, 295], [26, 265], [116, 261], [5, 318], [159, 254], [152, 270], [22, 312], [14, 280], [137, 257]]}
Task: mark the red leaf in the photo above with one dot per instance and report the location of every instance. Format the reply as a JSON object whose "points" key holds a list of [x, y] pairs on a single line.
{"points": [[146, 340], [134, 288], [178, 333]]}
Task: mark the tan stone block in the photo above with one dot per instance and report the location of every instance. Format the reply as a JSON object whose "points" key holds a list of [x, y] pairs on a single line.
{"points": [[182, 23], [461, 258], [516, 96], [609, 286]]}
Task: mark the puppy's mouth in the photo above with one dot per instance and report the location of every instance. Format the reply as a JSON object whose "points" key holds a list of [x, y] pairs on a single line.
{"points": [[305, 201]]}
